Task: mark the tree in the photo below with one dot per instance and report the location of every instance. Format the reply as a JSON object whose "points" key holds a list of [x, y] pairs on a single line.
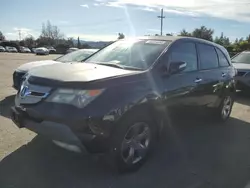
{"points": [[241, 40], [222, 40], [121, 36], [2, 37], [29, 41], [184, 33], [70, 41], [203, 33], [50, 34], [248, 38], [85, 46]]}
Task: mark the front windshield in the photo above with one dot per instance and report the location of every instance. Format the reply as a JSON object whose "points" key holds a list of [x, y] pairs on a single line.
{"points": [[78, 55], [243, 57], [139, 54]]}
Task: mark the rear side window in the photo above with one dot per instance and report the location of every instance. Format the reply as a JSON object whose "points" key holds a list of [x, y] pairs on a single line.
{"points": [[208, 57], [185, 52], [222, 59]]}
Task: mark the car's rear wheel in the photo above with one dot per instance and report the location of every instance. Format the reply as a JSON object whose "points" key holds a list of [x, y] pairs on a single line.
{"points": [[133, 141], [222, 113]]}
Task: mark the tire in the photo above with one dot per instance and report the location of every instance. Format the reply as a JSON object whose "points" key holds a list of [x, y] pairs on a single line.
{"points": [[133, 141], [222, 113]]}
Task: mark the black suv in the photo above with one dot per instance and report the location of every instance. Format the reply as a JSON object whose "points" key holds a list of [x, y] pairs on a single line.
{"points": [[115, 102]]}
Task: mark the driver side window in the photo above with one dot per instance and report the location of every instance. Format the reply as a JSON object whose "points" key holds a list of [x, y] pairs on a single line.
{"points": [[185, 52]]}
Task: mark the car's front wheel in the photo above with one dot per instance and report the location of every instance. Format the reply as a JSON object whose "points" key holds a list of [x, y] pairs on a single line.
{"points": [[133, 141]]}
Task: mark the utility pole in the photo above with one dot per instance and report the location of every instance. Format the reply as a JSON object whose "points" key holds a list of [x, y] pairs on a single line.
{"points": [[161, 17], [20, 34]]}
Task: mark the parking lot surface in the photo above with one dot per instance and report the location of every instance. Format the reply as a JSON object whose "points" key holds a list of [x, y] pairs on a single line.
{"points": [[196, 153]]}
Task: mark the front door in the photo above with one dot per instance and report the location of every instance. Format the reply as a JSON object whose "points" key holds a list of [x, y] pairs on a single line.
{"points": [[179, 90]]}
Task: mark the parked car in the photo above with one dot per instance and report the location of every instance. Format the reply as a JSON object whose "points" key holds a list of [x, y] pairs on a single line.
{"points": [[10, 49], [76, 56], [24, 49], [52, 50], [242, 63], [33, 50], [42, 51], [2, 49], [71, 50], [117, 100]]}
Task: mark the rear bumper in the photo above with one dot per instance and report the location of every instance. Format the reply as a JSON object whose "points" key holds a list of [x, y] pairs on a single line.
{"points": [[84, 141]]}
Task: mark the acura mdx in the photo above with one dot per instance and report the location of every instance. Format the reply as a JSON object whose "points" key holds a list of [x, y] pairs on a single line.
{"points": [[117, 101]]}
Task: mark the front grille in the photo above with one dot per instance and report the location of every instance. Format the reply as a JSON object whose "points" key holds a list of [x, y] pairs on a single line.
{"points": [[241, 73], [32, 94], [17, 79]]}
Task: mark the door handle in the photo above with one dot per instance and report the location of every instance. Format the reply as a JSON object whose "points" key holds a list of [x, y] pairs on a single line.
{"points": [[198, 80], [223, 74]]}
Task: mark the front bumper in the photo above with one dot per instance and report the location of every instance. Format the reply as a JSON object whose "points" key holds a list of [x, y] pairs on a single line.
{"points": [[75, 135]]}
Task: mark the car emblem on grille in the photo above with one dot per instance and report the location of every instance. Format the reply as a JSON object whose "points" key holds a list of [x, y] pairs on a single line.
{"points": [[25, 91]]}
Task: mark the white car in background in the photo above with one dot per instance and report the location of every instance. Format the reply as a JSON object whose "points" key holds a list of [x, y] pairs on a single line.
{"points": [[24, 49], [73, 57], [42, 51], [33, 50], [52, 50], [11, 49], [2, 49]]}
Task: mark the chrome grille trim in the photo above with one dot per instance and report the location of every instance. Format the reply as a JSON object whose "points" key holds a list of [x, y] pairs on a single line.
{"points": [[31, 94]]}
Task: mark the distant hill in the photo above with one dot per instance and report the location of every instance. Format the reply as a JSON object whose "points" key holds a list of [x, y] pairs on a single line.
{"points": [[94, 44]]}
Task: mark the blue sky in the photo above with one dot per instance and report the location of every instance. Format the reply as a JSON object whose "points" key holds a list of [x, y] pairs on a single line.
{"points": [[104, 19]]}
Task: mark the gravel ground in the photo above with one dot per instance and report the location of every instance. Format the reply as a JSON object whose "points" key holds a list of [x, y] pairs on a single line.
{"points": [[197, 154]]}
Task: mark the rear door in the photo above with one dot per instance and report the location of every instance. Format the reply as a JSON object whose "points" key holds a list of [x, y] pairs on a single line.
{"points": [[210, 74], [225, 71]]}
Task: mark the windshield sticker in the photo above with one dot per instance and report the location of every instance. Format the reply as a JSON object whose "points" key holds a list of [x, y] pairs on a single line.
{"points": [[155, 42]]}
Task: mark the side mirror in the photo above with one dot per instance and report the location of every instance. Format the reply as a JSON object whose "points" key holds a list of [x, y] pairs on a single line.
{"points": [[176, 67]]}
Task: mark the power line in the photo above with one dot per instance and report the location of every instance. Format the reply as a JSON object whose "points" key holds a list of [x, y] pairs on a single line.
{"points": [[161, 17]]}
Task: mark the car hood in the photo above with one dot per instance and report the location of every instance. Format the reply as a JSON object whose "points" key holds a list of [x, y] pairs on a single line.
{"points": [[27, 66], [241, 65], [74, 73]]}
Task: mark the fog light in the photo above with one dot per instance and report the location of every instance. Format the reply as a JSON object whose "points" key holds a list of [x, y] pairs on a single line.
{"points": [[95, 128]]}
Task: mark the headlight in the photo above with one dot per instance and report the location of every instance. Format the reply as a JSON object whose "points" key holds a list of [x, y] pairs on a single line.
{"points": [[78, 98]]}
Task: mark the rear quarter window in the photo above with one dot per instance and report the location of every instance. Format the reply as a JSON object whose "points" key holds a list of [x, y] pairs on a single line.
{"points": [[223, 62]]}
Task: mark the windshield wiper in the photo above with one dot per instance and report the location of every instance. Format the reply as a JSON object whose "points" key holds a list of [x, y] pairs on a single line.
{"points": [[120, 66]]}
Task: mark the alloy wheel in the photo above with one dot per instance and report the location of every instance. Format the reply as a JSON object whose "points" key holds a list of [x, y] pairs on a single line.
{"points": [[136, 143], [226, 108]]}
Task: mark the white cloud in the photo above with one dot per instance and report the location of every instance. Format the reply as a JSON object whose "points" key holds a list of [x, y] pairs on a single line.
{"points": [[148, 9], [154, 30], [63, 22], [226, 9], [89, 37], [96, 4], [24, 32], [10, 34], [85, 6], [22, 29], [113, 4]]}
